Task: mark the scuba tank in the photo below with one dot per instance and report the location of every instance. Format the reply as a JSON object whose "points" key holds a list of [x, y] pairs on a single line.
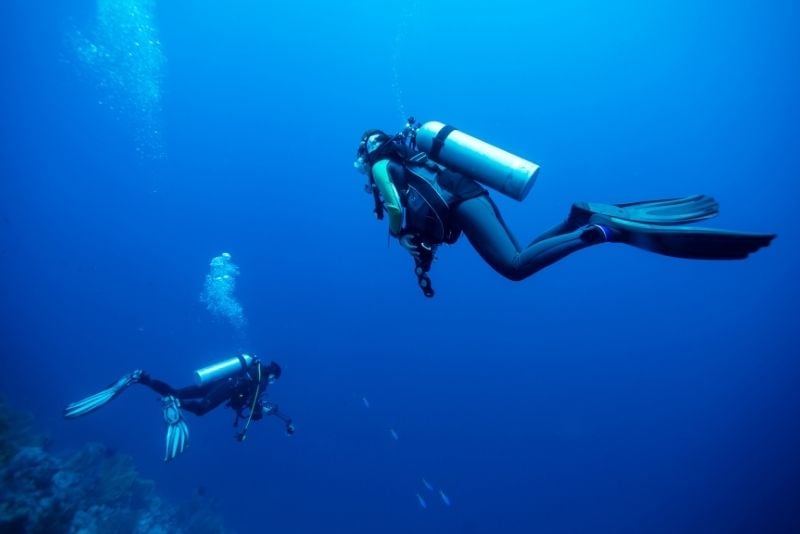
{"points": [[223, 369], [491, 166]]}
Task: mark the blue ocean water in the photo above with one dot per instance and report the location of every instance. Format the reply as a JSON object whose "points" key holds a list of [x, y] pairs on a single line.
{"points": [[616, 391]]}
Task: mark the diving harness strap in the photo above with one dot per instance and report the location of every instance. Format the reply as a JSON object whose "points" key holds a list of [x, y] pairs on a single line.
{"points": [[242, 434]]}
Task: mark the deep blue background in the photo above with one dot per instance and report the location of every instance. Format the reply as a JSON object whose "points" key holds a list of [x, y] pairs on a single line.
{"points": [[614, 392]]}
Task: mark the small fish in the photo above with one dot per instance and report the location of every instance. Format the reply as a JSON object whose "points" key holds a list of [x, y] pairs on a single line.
{"points": [[427, 485], [422, 502], [445, 498], [366, 402], [394, 434]]}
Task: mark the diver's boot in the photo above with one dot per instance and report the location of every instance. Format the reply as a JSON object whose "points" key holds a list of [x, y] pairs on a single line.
{"points": [[177, 430]]}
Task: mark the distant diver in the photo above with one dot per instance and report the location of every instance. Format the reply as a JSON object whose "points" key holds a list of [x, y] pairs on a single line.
{"points": [[428, 178], [242, 381]]}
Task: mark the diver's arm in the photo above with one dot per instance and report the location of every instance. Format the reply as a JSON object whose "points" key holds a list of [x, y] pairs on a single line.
{"points": [[391, 199], [272, 409]]}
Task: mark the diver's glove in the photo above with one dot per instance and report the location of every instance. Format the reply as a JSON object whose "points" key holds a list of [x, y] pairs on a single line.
{"points": [[177, 431], [93, 402]]}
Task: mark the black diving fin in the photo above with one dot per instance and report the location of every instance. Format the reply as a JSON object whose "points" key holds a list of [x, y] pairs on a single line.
{"points": [[667, 212], [684, 242]]}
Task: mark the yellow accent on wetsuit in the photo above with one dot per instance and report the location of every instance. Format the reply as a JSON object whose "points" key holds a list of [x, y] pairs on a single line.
{"points": [[391, 198]]}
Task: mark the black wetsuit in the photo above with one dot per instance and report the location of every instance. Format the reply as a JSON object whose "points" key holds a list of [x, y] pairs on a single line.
{"points": [[237, 390], [472, 211]]}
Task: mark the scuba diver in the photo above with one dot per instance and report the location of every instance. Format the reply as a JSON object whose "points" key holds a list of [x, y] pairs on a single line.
{"points": [[428, 178], [241, 381]]}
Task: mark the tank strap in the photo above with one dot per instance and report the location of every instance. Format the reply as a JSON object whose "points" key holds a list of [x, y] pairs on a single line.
{"points": [[438, 141]]}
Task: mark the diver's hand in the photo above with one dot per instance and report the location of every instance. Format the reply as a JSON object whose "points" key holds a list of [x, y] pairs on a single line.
{"points": [[407, 241], [268, 408], [412, 243]]}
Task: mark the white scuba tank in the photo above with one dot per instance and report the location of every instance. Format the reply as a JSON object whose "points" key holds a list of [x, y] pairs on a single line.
{"points": [[491, 166], [222, 369]]}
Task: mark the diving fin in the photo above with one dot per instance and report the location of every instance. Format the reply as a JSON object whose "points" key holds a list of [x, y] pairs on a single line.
{"points": [[177, 430], [671, 211], [93, 402], [684, 242]]}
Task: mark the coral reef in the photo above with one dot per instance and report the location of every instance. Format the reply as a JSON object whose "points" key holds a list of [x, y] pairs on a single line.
{"points": [[15, 432], [94, 490]]}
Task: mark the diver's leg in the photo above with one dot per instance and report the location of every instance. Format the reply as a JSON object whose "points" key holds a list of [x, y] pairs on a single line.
{"points": [[192, 392], [211, 398], [162, 388], [483, 225], [561, 228]]}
